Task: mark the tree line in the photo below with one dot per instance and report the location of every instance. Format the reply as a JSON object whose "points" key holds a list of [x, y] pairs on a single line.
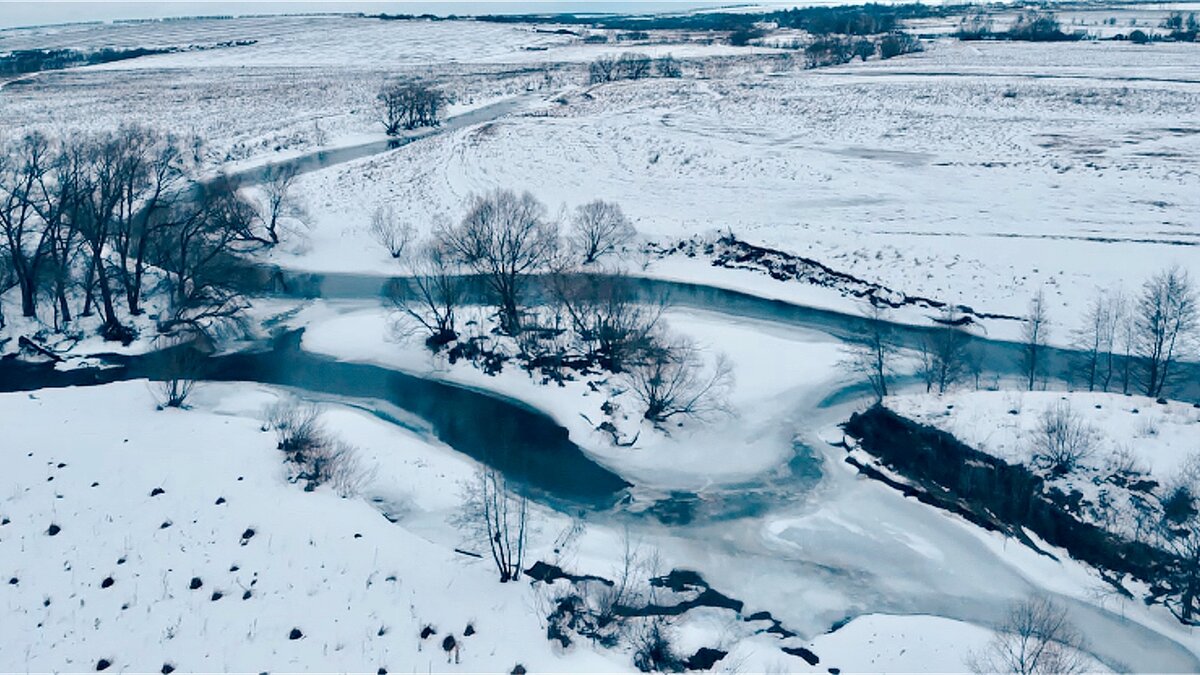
{"points": [[409, 104], [1029, 26], [632, 66], [868, 19], [1126, 343], [835, 50], [92, 224]]}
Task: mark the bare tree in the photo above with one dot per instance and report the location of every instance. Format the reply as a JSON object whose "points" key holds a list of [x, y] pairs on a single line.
{"points": [[100, 191], [151, 168], [1035, 638], [942, 354], [1063, 438], [625, 591], [431, 295], [390, 231], [668, 66], [603, 69], [1096, 341], [1127, 333], [627, 66], [494, 513], [8, 279], [869, 353], [193, 248], [61, 213], [504, 238], [897, 43], [671, 379], [277, 188], [22, 166], [599, 228], [608, 322], [408, 105], [1034, 333], [1166, 318], [633, 66]]}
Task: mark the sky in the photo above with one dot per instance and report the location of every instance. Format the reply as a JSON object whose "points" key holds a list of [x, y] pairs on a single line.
{"points": [[15, 13]]}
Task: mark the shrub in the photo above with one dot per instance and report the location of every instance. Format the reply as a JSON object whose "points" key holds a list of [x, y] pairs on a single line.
{"points": [[1063, 438], [297, 426], [1139, 37], [742, 36], [653, 651], [896, 44]]}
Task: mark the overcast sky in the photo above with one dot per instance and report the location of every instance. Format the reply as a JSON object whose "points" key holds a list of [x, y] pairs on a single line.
{"points": [[22, 13]]}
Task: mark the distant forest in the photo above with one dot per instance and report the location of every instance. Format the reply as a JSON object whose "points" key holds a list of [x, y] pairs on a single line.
{"points": [[869, 19]]}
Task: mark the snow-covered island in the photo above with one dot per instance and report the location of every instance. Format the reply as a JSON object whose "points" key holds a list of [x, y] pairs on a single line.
{"points": [[772, 338]]}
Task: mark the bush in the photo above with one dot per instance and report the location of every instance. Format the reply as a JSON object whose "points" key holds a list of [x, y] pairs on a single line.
{"points": [[828, 51], [633, 66], [181, 363], [315, 456], [742, 36], [1035, 26], [1063, 439], [896, 44], [653, 651], [1139, 37], [297, 426], [864, 49], [668, 66], [336, 463]]}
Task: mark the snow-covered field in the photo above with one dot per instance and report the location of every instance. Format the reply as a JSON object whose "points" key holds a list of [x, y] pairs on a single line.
{"points": [[268, 87], [358, 588], [1159, 437]]}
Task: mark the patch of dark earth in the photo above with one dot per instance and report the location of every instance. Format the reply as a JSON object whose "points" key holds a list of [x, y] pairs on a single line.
{"points": [[573, 617]]}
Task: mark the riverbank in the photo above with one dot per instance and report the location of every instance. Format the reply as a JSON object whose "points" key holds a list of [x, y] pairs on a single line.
{"points": [[1081, 515]]}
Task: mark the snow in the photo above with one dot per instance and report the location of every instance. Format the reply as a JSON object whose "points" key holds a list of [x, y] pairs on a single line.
{"points": [[904, 644], [752, 439], [808, 553], [305, 566], [971, 173], [1160, 437]]}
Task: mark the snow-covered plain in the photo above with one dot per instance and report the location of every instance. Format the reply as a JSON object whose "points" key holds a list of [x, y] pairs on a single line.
{"points": [[358, 588], [1160, 437]]}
